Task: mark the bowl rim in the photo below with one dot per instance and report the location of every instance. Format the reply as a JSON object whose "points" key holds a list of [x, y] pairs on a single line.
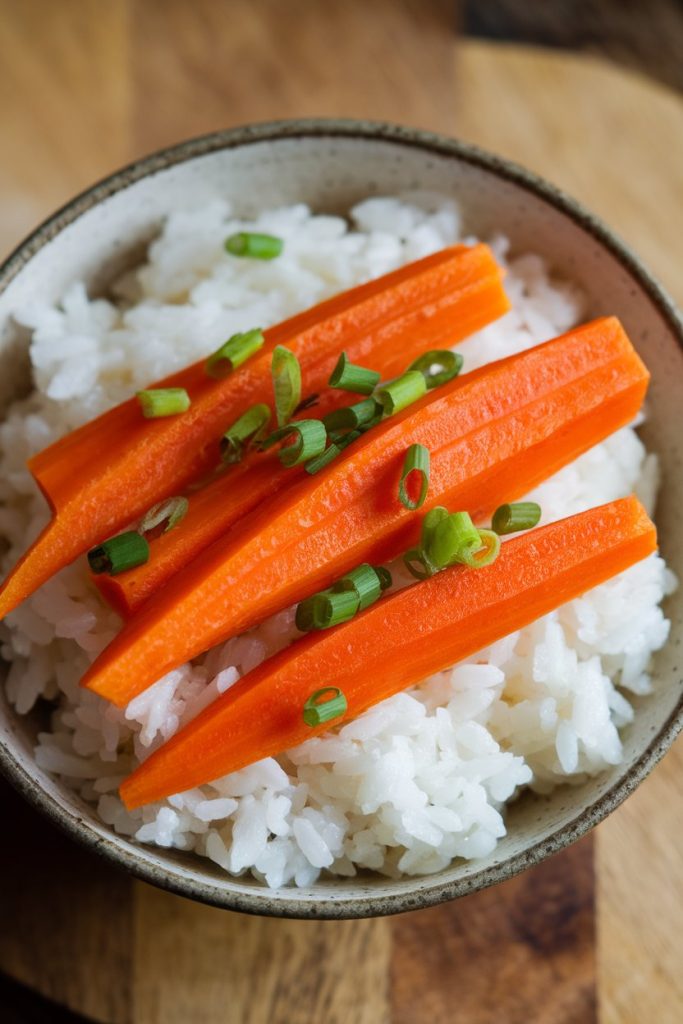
{"points": [[118, 850]]}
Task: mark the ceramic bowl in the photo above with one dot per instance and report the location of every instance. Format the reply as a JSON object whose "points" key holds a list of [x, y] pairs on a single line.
{"points": [[330, 165]]}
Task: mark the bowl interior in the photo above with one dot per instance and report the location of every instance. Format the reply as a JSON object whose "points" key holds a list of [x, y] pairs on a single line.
{"points": [[330, 168]]}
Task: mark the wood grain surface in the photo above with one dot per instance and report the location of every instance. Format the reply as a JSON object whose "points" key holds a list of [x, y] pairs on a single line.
{"points": [[87, 85]]}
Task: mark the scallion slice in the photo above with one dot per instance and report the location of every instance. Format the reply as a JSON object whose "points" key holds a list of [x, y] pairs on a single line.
{"points": [[324, 459], [350, 377], [339, 443], [158, 402], [438, 366], [249, 428], [254, 245], [402, 392], [309, 440], [326, 609], [334, 607], [170, 511], [233, 352], [366, 583], [430, 523], [304, 617], [417, 561], [286, 374], [324, 705], [415, 470], [384, 575], [521, 515], [487, 552], [117, 554], [454, 539], [362, 414], [416, 564]]}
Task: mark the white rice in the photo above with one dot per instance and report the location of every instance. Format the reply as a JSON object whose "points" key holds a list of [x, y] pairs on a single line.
{"points": [[421, 778]]}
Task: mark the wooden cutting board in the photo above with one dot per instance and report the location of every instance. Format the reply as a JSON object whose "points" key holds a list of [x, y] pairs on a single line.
{"points": [[86, 86]]}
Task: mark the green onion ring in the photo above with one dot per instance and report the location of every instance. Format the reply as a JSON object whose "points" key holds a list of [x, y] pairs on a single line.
{"points": [[324, 705], [416, 461], [438, 366], [233, 352], [126, 551], [520, 515]]}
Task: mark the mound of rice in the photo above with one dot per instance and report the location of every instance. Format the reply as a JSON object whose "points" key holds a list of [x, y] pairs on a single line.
{"points": [[423, 777]]}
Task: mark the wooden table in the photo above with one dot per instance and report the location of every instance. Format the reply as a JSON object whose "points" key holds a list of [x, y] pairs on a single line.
{"points": [[87, 85]]}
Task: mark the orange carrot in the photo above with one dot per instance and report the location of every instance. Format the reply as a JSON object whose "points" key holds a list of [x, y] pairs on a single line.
{"points": [[492, 435], [396, 643], [212, 510], [104, 475]]}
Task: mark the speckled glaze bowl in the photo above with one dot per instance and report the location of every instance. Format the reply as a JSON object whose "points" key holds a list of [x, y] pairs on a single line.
{"points": [[330, 165]]}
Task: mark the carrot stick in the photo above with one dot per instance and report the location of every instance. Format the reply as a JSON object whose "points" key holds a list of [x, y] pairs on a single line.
{"points": [[395, 644], [107, 473], [493, 435], [211, 512]]}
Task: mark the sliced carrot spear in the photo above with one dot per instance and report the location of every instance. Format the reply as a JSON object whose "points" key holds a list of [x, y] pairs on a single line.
{"points": [[492, 436], [211, 512], [395, 644], [107, 473]]}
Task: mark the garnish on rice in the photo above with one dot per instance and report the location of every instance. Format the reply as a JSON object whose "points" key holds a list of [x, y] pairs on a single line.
{"points": [[385, 323], [233, 353], [159, 402], [125, 551], [492, 435], [395, 643], [254, 245], [324, 706], [349, 377], [414, 482], [351, 594]]}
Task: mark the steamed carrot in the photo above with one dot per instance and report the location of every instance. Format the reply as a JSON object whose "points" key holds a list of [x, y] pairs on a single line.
{"points": [[396, 643], [493, 435], [107, 473], [211, 512]]}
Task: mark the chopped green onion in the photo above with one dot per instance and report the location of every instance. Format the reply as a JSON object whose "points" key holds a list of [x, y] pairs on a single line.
{"points": [[233, 352], [416, 461], [254, 245], [385, 579], [350, 377], [438, 366], [430, 523], [171, 511], [248, 428], [454, 539], [158, 402], [334, 607], [417, 561], [488, 551], [324, 705], [339, 443], [365, 582], [326, 609], [310, 438], [324, 459], [352, 593], [119, 553], [417, 565], [304, 617], [521, 515], [362, 414], [286, 374], [402, 392]]}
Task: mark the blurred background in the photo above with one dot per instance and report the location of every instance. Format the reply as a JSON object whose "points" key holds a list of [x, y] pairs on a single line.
{"points": [[585, 93]]}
